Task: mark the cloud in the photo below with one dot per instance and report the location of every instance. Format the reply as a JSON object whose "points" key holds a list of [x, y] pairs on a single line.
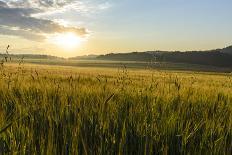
{"points": [[16, 18], [2, 4], [42, 4], [21, 33]]}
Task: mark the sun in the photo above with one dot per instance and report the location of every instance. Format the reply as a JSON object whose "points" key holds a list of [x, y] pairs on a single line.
{"points": [[66, 40]]}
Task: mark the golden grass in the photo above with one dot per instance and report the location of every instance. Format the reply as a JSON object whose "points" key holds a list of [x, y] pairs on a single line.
{"points": [[67, 110]]}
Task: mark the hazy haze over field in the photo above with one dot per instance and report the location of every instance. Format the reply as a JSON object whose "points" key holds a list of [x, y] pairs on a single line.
{"points": [[102, 26]]}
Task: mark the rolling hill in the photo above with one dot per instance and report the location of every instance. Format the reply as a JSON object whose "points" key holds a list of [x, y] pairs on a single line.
{"points": [[29, 56], [227, 50], [215, 58], [218, 57]]}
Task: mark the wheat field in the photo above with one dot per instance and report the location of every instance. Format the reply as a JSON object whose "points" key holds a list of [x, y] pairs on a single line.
{"points": [[68, 110]]}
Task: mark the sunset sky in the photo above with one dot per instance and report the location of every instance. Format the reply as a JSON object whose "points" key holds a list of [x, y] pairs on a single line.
{"points": [[79, 27]]}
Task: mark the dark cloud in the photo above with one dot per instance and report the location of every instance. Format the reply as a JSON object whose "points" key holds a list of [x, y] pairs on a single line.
{"points": [[19, 22]]}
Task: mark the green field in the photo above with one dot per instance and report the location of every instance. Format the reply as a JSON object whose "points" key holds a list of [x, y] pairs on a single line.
{"points": [[113, 110]]}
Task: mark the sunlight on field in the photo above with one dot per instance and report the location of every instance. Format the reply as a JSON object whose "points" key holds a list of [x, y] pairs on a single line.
{"points": [[68, 110]]}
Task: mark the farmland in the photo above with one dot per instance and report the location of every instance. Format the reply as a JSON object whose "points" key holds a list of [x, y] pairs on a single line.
{"points": [[113, 110]]}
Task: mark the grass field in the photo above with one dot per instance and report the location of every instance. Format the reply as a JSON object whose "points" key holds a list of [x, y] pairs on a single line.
{"points": [[128, 64], [85, 110]]}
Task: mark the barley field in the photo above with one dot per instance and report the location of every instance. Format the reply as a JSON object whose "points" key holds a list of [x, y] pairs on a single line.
{"points": [[87, 110]]}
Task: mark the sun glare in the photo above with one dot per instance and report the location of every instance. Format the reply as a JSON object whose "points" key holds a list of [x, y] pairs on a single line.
{"points": [[66, 40]]}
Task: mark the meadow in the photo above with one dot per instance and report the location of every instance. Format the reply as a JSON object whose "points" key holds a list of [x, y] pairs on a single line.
{"points": [[85, 110]]}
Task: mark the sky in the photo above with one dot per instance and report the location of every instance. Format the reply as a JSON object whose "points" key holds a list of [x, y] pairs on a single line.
{"points": [[80, 27]]}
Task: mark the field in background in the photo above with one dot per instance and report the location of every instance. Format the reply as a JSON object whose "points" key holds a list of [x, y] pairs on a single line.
{"points": [[128, 64], [113, 110]]}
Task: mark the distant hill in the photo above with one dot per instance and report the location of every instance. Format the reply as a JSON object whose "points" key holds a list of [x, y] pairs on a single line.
{"points": [[29, 56], [84, 57], [227, 50], [218, 57], [134, 56]]}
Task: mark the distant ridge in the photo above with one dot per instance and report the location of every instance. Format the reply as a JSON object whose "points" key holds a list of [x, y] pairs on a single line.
{"points": [[217, 57], [227, 50], [84, 57], [29, 56]]}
